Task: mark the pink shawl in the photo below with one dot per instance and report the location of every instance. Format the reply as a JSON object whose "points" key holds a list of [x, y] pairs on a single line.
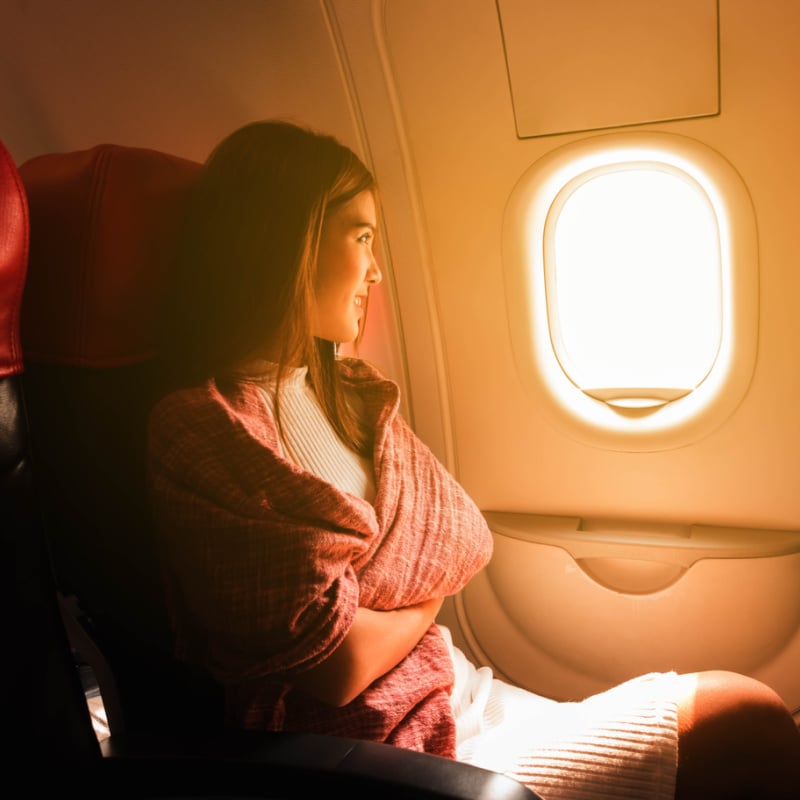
{"points": [[265, 564]]}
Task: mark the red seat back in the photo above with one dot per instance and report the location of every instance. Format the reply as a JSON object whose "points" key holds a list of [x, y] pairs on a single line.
{"points": [[102, 225]]}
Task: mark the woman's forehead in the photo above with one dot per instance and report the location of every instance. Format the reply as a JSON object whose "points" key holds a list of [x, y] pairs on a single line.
{"points": [[357, 212]]}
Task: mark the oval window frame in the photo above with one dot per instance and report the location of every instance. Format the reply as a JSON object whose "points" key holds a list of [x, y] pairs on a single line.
{"points": [[591, 420]]}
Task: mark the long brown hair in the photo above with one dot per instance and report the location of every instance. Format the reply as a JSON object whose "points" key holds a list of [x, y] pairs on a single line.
{"points": [[244, 268]]}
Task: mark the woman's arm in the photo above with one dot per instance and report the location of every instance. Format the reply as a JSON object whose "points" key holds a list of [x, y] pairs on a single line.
{"points": [[376, 642]]}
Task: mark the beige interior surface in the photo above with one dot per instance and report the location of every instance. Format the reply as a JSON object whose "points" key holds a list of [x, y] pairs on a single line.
{"points": [[459, 122], [564, 625], [581, 65]]}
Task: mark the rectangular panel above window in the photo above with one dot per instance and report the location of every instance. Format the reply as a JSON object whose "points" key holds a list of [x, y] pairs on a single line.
{"points": [[578, 65]]}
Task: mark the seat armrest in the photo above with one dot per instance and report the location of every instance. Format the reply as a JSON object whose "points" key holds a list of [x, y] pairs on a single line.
{"points": [[284, 765]]}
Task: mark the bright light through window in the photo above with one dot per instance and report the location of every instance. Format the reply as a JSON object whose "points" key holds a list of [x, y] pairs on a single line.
{"points": [[634, 285], [631, 269]]}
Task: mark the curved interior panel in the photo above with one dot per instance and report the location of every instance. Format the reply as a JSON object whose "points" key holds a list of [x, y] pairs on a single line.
{"points": [[565, 626]]}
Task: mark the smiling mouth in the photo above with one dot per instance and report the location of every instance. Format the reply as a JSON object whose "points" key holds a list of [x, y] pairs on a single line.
{"points": [[359, 301]]}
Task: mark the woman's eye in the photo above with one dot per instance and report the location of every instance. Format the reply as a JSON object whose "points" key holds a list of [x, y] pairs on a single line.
{"points": [[365, 237]]}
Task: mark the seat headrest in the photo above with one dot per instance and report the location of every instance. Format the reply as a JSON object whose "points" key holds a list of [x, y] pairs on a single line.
{"points": [[13, 262], [102, 224]]}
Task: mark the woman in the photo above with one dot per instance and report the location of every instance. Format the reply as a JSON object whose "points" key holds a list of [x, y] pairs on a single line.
{"points": [[309, 537]]}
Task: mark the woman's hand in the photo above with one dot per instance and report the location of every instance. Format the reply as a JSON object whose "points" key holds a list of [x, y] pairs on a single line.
{"points": [[376, 642]]}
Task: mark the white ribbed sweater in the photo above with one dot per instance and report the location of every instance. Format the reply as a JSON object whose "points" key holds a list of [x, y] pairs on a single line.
{"points": [[309, 440]]}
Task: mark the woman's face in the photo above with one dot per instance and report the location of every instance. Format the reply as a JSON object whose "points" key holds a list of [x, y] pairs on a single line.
{"points": [[345, 270]]}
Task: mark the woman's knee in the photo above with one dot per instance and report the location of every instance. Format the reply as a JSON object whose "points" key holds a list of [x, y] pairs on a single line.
{"points": [[736, 739], [717, 694]]}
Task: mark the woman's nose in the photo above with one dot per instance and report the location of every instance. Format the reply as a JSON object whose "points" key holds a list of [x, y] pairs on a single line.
{"points": [[374, 274]]}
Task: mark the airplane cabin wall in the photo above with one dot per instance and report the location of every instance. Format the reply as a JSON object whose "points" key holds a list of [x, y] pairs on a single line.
{"points": [[453, 89], [535, 616]]}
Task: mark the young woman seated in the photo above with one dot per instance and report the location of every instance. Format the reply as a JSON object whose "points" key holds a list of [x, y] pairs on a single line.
{"points": [[309, 537]]}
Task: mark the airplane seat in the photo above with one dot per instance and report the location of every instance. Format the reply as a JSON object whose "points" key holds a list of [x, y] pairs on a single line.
{"points": [[101, 221], [45, 709]]}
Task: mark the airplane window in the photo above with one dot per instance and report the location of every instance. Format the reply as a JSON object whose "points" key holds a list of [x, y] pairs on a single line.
{"points": [[633, 281], [631, 274]]}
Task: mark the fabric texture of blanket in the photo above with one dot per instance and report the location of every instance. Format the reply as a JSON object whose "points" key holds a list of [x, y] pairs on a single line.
{"points": [[265, 563]]}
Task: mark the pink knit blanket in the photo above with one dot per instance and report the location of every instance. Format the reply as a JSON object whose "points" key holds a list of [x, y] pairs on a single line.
{"points": [[265, 564]]}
